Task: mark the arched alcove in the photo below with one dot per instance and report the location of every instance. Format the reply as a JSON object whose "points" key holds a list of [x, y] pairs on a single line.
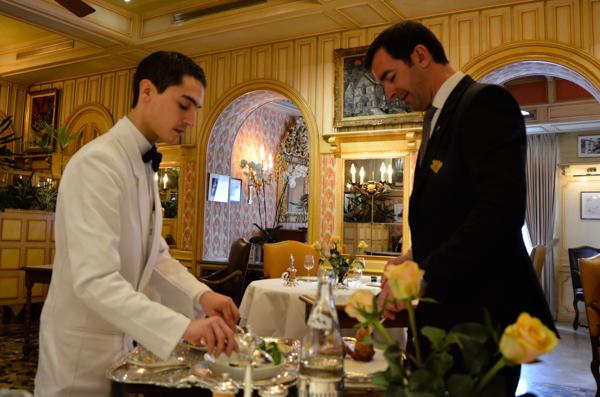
{"points": [[216, 142], [526, 58], [90, 120]]}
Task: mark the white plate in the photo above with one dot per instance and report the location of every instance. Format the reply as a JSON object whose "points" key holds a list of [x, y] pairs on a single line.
{"points": [[149, 360], [193, 346], [234, 366], [287, 376]]}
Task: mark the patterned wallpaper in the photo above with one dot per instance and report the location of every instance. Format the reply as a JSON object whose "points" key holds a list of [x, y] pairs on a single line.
{"points": [[188, 205], [219, 160], [263, 127], [328, 213]]}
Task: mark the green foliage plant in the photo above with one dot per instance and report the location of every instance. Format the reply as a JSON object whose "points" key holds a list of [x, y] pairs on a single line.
{"points": [[266, 237], [6, 160], [170, 208], [23, 195]]}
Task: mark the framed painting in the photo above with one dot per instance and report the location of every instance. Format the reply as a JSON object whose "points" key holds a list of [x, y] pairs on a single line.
{"points": [[358, 99], [588, 146], [590, 205], [218, 188], [41, 106]]}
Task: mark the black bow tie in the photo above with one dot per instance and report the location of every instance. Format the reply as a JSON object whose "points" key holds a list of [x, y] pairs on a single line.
{"points": [[153, 155]]}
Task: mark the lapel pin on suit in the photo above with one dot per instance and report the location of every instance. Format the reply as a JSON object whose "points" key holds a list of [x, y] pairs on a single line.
{"points": [[436, 165]]}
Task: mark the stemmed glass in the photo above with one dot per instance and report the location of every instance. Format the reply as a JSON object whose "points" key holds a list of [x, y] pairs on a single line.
{"points": [[359, 265], [309, 263]]}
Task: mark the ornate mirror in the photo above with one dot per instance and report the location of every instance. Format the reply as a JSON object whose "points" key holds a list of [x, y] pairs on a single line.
{"points": [[167, 179], [373, 205], [291, 171]]}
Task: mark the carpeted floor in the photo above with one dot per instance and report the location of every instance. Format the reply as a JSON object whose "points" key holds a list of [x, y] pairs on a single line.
{"points": [[14, 372]]}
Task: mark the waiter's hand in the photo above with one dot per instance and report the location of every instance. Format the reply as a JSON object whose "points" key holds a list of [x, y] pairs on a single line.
{"points": [[217, 305], [386, 292], [212, 332]]}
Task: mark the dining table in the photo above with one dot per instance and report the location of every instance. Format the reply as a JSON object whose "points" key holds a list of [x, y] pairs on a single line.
{"points": [[272, 309]]}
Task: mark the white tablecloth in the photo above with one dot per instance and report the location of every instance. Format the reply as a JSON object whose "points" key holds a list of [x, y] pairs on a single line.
{"points": [[275, 310]]}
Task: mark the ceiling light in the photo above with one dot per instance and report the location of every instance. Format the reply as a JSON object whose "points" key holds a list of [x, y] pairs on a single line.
{"points": [[523, 112]]}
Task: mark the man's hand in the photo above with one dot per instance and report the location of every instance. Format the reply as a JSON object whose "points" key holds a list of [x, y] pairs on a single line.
{"points": [[386, 292], [217, 305], [212, 332]]}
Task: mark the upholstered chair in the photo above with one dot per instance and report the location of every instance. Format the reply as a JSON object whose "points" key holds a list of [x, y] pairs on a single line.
{"points": [[574, 255], [277, 258], [590, 276]]}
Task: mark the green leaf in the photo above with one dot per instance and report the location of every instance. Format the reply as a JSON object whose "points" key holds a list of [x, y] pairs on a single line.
{"points": [[471, 330], [395, 358], [428, 300], [476, 356], [440, 363], [380, 379], [435, 335], [369, 340], [421, 380], [460, 385]]}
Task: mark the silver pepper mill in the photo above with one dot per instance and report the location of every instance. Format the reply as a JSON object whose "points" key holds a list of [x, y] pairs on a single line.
{"points": [[291, 279]]}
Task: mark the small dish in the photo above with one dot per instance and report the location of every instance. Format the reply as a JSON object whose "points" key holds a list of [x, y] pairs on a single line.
{"points": [[147, 359], [201, 348], [287, 375], [235, 367]]}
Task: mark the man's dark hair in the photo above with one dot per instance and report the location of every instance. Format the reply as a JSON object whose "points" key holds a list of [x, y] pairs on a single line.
{"points": [[400, 41], [165, 69]]}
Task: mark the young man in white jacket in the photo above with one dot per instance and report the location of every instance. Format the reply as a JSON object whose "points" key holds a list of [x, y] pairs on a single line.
{"points": [[110, 256]]}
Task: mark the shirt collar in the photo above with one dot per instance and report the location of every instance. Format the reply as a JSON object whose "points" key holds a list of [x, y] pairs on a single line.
{"points": [[446, 89], [140, 139]]}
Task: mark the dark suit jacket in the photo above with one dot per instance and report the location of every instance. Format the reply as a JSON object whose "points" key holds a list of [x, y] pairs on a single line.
{"points": [[466, 218]]}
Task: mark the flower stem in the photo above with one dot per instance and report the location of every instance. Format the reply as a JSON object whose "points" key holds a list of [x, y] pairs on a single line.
{"points": [[413, 326], [490, 374], [379, 327]]}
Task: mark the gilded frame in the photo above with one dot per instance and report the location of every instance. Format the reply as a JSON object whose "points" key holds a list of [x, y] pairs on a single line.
{"points": [[40, 106], [348, 62]]}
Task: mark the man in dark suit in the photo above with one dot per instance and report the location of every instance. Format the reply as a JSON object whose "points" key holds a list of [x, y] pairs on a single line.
{"points": [[468, 202]]}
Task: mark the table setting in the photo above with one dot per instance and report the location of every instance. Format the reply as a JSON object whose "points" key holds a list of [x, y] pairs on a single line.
{"points": [[190, 366]]}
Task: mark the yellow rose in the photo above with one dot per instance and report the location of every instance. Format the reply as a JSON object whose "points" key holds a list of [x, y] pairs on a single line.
{"points": [[335, 239], [362, 299], [405, 280], [316, 245], [525, 340], [362, 245]]}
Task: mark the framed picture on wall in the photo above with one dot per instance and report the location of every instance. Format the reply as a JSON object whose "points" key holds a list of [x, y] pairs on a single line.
{"points": [[40, 107], [235, 190], [358, 99], [590, 205], [588, 146], [218, 188]]}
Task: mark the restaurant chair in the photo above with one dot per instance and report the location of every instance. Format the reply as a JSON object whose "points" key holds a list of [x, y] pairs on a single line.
{"points": [[232, 277], [574, 255], [538, 254], [277, 258], [590, 275]]}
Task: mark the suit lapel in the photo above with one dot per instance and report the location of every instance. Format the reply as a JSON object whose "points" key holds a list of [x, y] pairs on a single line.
{"points": [[156, 234], [439, 129]]}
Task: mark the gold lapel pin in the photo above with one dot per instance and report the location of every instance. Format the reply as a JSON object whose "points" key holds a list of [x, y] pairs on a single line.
{"points": [[436, 165]]}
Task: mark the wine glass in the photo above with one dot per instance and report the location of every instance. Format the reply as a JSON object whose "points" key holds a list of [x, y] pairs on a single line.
{"points": [[309, 263], [359, 265]]}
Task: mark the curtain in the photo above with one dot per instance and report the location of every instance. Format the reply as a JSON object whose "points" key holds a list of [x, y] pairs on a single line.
{"points": [[542, 153]]}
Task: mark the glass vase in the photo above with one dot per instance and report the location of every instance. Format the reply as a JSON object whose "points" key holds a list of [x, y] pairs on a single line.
{"points": [[340, 274]]}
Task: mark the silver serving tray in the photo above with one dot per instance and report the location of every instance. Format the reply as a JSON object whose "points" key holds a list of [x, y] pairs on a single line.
{"points": [[175, 376]]}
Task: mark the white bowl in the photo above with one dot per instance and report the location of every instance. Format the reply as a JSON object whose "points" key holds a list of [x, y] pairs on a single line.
{"points": [[235, 367]]}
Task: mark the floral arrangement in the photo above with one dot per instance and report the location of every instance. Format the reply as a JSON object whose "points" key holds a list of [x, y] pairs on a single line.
{"points": [[340, 264], [258, 175], [408, 375], [293, 172]]}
